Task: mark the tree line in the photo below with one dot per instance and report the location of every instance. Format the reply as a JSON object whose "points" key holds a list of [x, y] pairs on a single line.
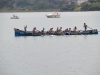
{"points": [[91, 5]]}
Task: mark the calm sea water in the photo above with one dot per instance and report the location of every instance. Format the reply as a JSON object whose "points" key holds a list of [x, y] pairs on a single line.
{"points": [[46, 55]]}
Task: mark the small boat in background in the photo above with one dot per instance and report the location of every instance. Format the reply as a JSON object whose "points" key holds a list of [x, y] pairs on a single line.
{"points": [[53, 15], [15, 17]]}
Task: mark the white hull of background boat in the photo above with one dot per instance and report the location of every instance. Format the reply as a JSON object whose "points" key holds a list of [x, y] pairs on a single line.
{"points": [[53, 15], [14, 17]]}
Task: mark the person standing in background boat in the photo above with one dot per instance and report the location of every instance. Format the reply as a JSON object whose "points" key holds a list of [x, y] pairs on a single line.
{"points": [[25, 28], [85, 26]]}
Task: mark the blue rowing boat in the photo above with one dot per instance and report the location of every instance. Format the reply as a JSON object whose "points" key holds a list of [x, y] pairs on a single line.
{"points": [[19, 32]]}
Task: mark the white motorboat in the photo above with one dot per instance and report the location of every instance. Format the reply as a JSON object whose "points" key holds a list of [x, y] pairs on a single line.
{"points": [[15, 17], [53, 15]]}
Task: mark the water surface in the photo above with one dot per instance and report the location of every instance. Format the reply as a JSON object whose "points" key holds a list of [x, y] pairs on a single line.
{"points": [[49, 55]]}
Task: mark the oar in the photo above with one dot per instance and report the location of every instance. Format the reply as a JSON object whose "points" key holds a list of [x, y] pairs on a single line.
{"points": [[90, 28], [80, 32]]}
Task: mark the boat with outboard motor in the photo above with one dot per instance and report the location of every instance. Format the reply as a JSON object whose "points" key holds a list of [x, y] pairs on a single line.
{"points": [[53, 15], [15, 17], [19, 32]]}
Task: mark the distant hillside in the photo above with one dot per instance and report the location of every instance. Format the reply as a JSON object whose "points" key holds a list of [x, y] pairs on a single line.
{"points": [[35, 5], [45, 5]]}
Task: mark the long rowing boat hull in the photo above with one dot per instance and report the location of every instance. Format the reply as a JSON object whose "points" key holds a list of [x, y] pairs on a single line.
{"points": [[29, 33]]}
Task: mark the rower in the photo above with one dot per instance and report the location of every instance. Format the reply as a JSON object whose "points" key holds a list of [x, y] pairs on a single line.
{"points": [[57, 30], [66, 30], [35, 31], [25, 27], [85, 26], [69, 31], [42, 31], [51, 31], [60, 30], [75, 29]]}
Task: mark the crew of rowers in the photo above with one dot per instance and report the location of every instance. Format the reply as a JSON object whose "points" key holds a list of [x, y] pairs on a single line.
{"points": [[58, 30]]}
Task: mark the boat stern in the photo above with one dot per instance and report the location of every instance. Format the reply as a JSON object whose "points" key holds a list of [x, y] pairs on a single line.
{"points": [[95, 31]]}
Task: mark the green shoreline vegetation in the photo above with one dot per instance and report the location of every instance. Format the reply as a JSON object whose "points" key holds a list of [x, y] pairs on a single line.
{"points": [[47, 5]]}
